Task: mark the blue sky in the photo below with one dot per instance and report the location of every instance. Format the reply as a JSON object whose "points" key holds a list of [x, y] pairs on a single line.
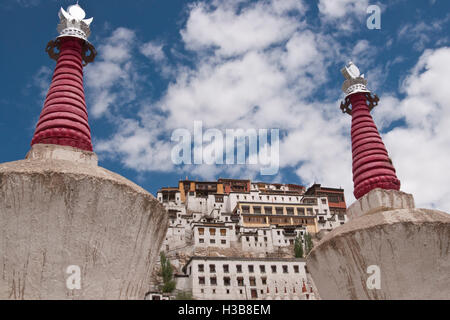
{"points": [[242, 64]]}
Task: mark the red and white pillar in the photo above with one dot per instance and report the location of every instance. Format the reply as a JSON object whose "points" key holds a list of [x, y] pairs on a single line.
{"points": [[372, 167], [64, 118]]}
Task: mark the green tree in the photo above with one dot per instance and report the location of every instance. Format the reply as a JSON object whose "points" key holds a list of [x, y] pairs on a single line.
{"points": [[308, 243], [167, 274], [298, 247], [184, 295]]}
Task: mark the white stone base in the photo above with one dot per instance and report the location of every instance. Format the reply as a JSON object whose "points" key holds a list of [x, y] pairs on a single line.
{"points": [[59, 213], [380, 200], [55, 152], [410, 247]]}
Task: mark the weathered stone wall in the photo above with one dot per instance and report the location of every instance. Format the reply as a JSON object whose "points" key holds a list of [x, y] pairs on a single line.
{"points": [[410, 246], [56, 213]]}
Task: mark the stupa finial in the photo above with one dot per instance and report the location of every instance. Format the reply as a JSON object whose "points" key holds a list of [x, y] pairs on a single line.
{"points": [[73, 22]]}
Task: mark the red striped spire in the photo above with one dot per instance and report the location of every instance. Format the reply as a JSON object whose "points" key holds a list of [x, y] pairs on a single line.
{"points": [[64, 118], [372, 167]]}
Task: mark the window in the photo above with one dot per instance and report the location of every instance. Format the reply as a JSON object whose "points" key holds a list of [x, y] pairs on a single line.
{"points": [[285, 269], [201, 280], [324, 201], [212, 268], [223, 232], [274, 269], [223, 241], [296, 269], [251, 269], [214, 291], [212, 241], [213, 281], [245, 209], [301, 211], [201, 240], [264, 280], [201, 231], [239, 268], [262, 269], [240, 282], [257, 210], [212, 231], [226, 281], [290, 211], [279, 210], [252, 281], [201, 268], [226, 268], [268, 210], [309, 211], [228, 291]]}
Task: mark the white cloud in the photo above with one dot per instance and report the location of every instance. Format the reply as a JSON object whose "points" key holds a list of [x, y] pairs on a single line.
{"points": [[421, 33], [421, 150], [334, 9], [229, 32], [257, 78], [112, 77], [153, 51], [42, 80]]}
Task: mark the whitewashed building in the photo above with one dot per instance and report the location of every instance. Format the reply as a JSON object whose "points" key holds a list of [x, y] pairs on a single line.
{"points": [[231, 278]]}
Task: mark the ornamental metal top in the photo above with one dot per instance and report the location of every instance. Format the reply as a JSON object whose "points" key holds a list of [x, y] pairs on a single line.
{"points": [[355, 81], [73, 23]]}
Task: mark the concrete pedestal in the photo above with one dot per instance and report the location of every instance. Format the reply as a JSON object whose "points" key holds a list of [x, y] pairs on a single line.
{"points": [[59, 209], [410, 248]]}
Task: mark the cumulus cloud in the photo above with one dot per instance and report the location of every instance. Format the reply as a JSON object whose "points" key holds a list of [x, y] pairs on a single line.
{"points": [[258, 65], [153, 51], [113, 76], [335, 9], [420, 149], [222, 28]]}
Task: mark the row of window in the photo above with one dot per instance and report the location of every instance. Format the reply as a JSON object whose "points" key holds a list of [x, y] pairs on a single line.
{"points": [[212, 241], [212, 231], [268, 198], [251, 268], [300, 211], [254, 292], [240, 283], [227, 281], [277, 220]]}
